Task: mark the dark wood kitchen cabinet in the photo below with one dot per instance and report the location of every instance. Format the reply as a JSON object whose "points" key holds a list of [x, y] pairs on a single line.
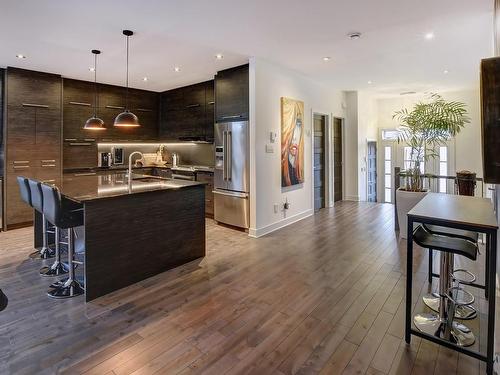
{"points": [[208, 178], [232, 94], [78, 102], [490, 119], [33, 135], [184, 113]]}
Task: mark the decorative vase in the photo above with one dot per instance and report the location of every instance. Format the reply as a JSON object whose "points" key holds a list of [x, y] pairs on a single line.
{"points": [[405, 201]]}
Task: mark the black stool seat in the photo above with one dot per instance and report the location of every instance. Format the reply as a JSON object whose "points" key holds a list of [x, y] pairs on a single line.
{"points": [[453, 245], [24, 190], [451, 232], [62, 212]]}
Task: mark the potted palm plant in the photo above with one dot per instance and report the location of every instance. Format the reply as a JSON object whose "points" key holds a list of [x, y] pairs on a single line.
{"points": [[426, 127]]}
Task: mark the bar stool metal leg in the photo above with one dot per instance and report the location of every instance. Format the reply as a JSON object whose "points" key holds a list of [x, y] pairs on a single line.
{"points": [[443, 324], [57, 268], [71, 287]]}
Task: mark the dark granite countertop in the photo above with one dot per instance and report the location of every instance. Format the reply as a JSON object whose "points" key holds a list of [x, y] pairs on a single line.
{"points": [[92, 187], [194, 168]]}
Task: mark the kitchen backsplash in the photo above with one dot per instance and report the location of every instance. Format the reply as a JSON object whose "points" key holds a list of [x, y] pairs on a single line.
{"points": [[189, 153]]}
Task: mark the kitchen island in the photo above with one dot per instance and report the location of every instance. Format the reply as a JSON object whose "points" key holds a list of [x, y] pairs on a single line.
{"points": [[131, 235]]}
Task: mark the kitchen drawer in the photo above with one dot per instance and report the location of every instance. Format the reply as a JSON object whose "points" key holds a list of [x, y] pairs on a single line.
{"points": [[205, 177]]}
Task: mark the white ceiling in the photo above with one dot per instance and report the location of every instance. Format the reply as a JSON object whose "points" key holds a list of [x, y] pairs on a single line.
{"points": [[57, 36]]}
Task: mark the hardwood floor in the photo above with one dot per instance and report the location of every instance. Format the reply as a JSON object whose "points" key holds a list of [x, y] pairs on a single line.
{"points": [[322, 296]]}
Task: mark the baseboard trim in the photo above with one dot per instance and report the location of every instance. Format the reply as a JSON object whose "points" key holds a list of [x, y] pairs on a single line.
{"points": [[351, 198], [259, 232]]}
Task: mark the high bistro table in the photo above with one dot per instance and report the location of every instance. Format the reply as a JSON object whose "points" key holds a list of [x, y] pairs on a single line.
{"points": [[459, 212]]}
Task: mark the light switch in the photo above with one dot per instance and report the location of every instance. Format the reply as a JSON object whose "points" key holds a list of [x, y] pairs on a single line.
{"points": [[269, 149], [272, 137]]}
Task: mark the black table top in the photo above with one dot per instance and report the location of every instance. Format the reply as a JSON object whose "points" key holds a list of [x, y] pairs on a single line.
{"points": [[92, 187], [456, 209]]}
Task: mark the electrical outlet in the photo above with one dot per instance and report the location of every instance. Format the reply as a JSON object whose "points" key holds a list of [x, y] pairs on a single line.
{"points": [[269, 149], [276, 208]]}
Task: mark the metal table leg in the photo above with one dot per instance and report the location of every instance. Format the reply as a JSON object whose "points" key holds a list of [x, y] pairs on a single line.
{"points": [[491, 248], [409, 275]]}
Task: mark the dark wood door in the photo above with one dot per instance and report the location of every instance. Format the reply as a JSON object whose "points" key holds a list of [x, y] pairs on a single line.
{"points": [[319, 162], [337, 160], [371, 170]]}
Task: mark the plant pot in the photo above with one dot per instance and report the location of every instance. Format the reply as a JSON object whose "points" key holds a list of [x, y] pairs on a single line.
{"points": [[405, 201]]}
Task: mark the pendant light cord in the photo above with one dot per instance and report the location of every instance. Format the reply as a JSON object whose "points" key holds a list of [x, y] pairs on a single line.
{"points": [[126, 95], [95, 85]]}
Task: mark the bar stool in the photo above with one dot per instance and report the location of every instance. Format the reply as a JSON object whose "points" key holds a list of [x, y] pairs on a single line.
{"points": [[460, 275], [65, 214], [37, 204], [451, 296]]}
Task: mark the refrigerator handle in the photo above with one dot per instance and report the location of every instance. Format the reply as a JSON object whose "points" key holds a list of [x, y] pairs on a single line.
{"points": [[230, 155], [224, 155]]}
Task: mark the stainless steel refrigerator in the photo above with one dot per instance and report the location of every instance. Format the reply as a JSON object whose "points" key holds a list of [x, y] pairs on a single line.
{"points": [[231, 176]]}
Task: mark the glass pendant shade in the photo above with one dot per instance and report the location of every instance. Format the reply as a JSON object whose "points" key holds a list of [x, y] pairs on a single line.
{"points": [[127, 119], [94, 122]]}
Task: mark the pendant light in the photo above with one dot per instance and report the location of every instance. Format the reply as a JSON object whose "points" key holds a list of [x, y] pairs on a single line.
{"points": [[95, 123], [127, 118]]}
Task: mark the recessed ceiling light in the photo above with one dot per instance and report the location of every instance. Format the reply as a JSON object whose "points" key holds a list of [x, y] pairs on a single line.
{"points": [[145, 79], [19, 56], [177, 69], [91, 69], [370, 82], [445, 71], [219, 56], [354, 35], [327, 58], [429, 36]]}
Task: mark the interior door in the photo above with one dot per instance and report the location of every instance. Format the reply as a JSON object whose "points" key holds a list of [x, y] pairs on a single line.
{"points": [[237, 156], [337, 160], [319, 162], [372, 171]]}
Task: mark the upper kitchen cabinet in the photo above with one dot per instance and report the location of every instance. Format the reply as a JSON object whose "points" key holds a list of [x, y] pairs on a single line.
{"points": [[210, 112], [231, 94], [184, 113]]}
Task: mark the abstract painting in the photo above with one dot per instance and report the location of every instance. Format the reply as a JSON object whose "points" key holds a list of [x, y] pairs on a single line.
{"points": [[292, 142]]}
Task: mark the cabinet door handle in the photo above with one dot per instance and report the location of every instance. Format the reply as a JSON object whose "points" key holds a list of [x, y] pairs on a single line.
{"points": [[48, 165], [21, 161], [144, 110], [85, 174], [21, 166], [35, 105], [193, 105], [211, 103], [70, 139], [53, 181], [80, 144], [48, 161], [114, 107], [81, 103], [234, 116], [88, 140]]}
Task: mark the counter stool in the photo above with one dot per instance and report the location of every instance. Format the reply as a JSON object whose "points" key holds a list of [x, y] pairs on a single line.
{"points": [[65, 214], [37, 204], [451, 296]]}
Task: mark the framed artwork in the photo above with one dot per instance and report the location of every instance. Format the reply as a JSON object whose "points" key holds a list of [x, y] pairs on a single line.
{"points": [[292, 142]]}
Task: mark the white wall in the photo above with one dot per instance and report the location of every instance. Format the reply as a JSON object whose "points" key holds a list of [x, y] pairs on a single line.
{"points": [[268, 83], [351, 162], [467, 143]]}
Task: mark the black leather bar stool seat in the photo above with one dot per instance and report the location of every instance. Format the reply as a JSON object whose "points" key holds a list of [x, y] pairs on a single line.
{"points": [[37, 203], [65, 214], [451, 232], [454, 245], [452, 300]]}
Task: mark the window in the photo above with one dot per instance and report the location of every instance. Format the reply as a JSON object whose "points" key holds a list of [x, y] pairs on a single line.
{"points": [[409, 159], [387, 174], [443, 168], [390, 135]]}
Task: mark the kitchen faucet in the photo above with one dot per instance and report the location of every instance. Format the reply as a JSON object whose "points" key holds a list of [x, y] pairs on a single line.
{"points": [[130, 169]]}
